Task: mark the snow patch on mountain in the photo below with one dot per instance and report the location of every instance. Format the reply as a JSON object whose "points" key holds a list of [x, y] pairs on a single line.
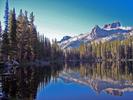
{"points": [[109, 32]]}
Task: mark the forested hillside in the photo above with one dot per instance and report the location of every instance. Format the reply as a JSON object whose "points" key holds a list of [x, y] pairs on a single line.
{"points": [[20, 41]]}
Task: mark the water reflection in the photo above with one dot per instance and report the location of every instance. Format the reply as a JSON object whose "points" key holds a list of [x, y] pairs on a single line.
{"points": [[112, 78], [109, 77], [24, 83]]}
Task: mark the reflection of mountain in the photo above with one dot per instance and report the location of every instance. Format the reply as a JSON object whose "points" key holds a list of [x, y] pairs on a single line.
{"points": [[99, 83], [112, 78]]}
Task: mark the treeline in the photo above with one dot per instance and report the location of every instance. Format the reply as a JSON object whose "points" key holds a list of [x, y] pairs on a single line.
{"points": [[118, 50], [115, 50], [20, 40]]}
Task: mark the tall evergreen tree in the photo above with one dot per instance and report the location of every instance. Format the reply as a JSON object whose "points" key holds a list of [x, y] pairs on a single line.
{"points": [[5, 46], [5, 37], [0, 30], [6, 17], [12, 33], [21, 34], [32, 17], [0, 40]]}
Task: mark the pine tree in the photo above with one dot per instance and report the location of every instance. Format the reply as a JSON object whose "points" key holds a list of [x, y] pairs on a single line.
{"points": [[27, 36], [26, 16], [82, 50], [54, 50], [0, 40], [6, 17], [0, 30], [13, 33], [21, 31], [33, 35], [32, 18], [5, 37], [5, 46]]}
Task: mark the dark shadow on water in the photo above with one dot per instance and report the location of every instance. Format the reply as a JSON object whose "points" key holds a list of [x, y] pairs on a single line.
{"points": [[110, 77]]}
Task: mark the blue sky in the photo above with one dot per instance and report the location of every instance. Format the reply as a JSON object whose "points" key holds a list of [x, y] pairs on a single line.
{"points": [[56, 18]]}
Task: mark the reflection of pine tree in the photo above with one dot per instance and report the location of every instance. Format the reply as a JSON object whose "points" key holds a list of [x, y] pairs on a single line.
{"points": [[26, 81]]}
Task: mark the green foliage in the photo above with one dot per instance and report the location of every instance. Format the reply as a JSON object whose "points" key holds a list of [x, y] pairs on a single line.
{"points": [[5, 45], [12, 33], [20, 40]]}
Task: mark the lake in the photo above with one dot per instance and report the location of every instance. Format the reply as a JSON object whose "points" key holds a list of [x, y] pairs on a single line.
{"points": [[71, 81]]}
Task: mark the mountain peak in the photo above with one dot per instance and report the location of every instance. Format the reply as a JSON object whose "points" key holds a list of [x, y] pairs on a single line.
{"points": [[95, 31], [96, 28], [109, 32], [113, 25], [64, 38]]}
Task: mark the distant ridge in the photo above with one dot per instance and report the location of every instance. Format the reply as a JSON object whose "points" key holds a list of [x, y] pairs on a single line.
{"points": [[109, 32]]}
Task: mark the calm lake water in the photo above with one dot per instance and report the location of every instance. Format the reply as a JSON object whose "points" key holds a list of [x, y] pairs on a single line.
{"points": [[73, 81]]}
